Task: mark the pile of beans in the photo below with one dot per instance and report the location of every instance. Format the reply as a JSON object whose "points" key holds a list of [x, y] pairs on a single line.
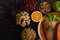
{"points": [[29, 5]]}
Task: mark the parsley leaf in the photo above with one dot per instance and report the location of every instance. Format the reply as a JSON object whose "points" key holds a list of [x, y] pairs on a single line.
{"points": [[50, 28]]}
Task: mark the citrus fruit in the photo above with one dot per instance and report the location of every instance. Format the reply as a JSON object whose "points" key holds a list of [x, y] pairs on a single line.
{"points": [[36, 16]]}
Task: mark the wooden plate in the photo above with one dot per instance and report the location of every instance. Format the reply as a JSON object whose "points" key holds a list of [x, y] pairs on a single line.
{"points": [[40, 30]]}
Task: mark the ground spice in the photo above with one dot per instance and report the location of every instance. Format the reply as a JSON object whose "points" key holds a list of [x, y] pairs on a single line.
{"points": [[28, 5]]}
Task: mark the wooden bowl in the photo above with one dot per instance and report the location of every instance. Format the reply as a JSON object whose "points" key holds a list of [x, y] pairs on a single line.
{"points": [[40, 30]]}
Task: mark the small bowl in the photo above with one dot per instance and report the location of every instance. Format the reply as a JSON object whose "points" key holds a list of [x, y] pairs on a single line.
{"points": [[40, 31]]}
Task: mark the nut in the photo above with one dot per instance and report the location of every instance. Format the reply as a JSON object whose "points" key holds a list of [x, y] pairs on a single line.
{"points": [[45, 7], [28, 34], [23, 18]]}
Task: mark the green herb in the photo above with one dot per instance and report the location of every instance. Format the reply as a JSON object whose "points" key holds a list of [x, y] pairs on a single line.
{"points": [[52, 18], [58, 19], [46, 19], [50, 28]]}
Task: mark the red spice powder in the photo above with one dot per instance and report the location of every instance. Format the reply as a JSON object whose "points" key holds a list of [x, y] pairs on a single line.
{"points": [[28, 5]]}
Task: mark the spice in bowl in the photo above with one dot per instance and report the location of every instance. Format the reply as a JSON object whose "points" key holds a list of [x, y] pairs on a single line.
{"points": [[45, 7], [28, 34], [29, 5]]}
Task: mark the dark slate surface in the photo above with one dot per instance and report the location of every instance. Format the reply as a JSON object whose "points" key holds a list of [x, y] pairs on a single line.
{"points": [[8, 28]]}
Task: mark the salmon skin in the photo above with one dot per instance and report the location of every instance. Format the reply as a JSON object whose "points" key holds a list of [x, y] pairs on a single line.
{"points": [[48, 27], [58, 32]]}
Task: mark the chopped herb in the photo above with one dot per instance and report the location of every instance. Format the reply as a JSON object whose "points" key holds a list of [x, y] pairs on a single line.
{"points": [[46, 19], [50, 28], [52, 18], [58, 19]]}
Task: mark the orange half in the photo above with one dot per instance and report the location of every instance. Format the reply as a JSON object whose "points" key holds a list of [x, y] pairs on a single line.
{"points": [[36, 16]]}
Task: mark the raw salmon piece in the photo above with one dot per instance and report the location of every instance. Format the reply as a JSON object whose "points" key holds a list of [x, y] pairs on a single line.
{"points": [[53, 23], [49, 34], [45, 24], [58, 32]]}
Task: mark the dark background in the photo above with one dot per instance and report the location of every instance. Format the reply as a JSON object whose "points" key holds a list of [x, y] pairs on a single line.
{"points": [[8, 28]]}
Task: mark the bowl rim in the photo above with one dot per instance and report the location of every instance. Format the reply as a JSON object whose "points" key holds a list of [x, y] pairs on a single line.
{"points": [[49, 13], [39, 28]]}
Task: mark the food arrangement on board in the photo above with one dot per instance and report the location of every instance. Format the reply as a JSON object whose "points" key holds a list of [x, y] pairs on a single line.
{"points": [[48, 22]]}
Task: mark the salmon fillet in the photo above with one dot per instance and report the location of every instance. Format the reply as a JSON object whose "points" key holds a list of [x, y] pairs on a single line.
{"points": [[49, 34], [58, 32]]}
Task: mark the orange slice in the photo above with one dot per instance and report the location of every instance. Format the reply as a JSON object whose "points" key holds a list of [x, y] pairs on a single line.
{"points": [[36, 16]]}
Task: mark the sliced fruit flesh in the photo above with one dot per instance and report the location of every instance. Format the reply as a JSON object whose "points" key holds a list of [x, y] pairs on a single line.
{"points": [[36, 16]]}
